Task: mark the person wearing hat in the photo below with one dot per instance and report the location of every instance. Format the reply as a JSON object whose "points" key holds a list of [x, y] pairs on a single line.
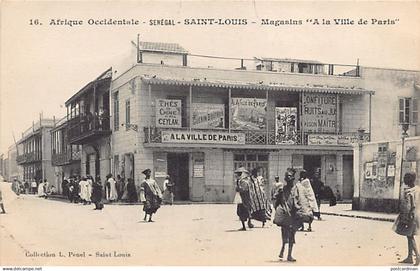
{"points": [[243, 209], [150, 195]]}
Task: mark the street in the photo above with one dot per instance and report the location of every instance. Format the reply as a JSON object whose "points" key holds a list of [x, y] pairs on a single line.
{"points": [[36, 231]]}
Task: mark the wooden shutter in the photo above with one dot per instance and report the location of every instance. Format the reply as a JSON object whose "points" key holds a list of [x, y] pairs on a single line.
{"points": [[414, 114], [401, 111]]}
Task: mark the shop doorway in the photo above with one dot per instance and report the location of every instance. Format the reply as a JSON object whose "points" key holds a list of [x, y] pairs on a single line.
{"points": [[311, 163], [178, 169], [348, 180]]}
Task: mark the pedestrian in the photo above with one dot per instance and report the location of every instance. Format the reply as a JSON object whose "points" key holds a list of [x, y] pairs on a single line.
{"points": [[408, 220], [119, 184], [168, 187], [41, 189], [150, 195], [260, 210], [89, 188], [46, 188], [83, 192], [3, 211], [97, 194], [16, 187], [317, 187], [307, 199], [111, 192], [285, 204], [52, 190], [65, 187], [276, 185], [26, 186], [131, 191], [243, 209], [34, 185]]}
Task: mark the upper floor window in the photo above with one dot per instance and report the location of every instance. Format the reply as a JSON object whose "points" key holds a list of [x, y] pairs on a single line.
{"points": [[408, 110], [116, 111], [127, 113]]}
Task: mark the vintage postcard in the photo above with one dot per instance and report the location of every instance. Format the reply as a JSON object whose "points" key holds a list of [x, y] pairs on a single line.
{"points": [[210, 133]]}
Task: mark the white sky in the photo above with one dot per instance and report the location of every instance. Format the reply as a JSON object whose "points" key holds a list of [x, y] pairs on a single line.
{"points": [[43, 66]]}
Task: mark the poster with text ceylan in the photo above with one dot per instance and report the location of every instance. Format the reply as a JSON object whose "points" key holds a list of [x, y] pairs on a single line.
{"points": [[248, 113], [319, 113], [286, 132], [208, 116], [168, 113]]}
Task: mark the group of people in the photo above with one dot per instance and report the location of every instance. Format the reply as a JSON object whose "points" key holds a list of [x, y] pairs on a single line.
{"points": [[295, 203]]}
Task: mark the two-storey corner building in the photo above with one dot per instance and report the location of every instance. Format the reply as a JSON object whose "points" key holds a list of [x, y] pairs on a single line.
{"points": [[199, 124], [380, 165], [65, 157], [34, 152], [88, 126]]}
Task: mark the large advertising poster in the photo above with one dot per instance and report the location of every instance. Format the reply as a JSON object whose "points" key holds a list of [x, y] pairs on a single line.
{"points": [[168, 113], [248, 113], [286, 131], [208, 116], [319, 113]]}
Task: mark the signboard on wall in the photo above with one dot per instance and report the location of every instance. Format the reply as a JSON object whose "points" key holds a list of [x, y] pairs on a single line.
{"points": [[248, 113], [168, 113], [286, 131], [208, 116], [202, 137], [319, 112], [342, 140]]}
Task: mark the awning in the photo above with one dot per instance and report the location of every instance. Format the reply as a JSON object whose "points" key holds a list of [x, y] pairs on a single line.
{"points": [[253, 86]]}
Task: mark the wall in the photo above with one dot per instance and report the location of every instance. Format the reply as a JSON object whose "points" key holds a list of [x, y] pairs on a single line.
{"points": [[388, 86], [156, 58], [379, 195]]}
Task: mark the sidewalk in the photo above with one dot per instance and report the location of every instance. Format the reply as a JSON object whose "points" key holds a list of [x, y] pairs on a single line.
{"points": [[341, 209], [345, 210]]}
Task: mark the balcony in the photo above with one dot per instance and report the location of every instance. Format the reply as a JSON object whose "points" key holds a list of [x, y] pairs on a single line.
{"points": [[248, 137], [28, 158], [83, 130], [65, 158]]}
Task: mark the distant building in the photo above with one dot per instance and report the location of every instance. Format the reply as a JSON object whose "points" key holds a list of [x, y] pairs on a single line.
{"points": [[34, 152]]}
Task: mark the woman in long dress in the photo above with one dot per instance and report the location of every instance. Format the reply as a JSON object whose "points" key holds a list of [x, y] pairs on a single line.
{"points": [[168, 195], [260, 207], [243, 209], [408, 221], [150, 195], [307, 199], [112, 189]]}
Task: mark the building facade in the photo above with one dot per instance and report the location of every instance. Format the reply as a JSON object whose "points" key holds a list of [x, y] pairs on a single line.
{"points": [[65, 157], [380, 165], [88, 126], [34, 153], [199, 124]]}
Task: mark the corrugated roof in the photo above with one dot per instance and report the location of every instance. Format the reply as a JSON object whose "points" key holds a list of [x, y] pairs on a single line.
{"points": [[162, 47], [254, 85], [288, 60]]}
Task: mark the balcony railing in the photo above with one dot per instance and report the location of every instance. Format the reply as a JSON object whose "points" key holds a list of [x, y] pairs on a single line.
{"points": [[28, 158], [252, 137], [83, 129], [60, 159]]}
